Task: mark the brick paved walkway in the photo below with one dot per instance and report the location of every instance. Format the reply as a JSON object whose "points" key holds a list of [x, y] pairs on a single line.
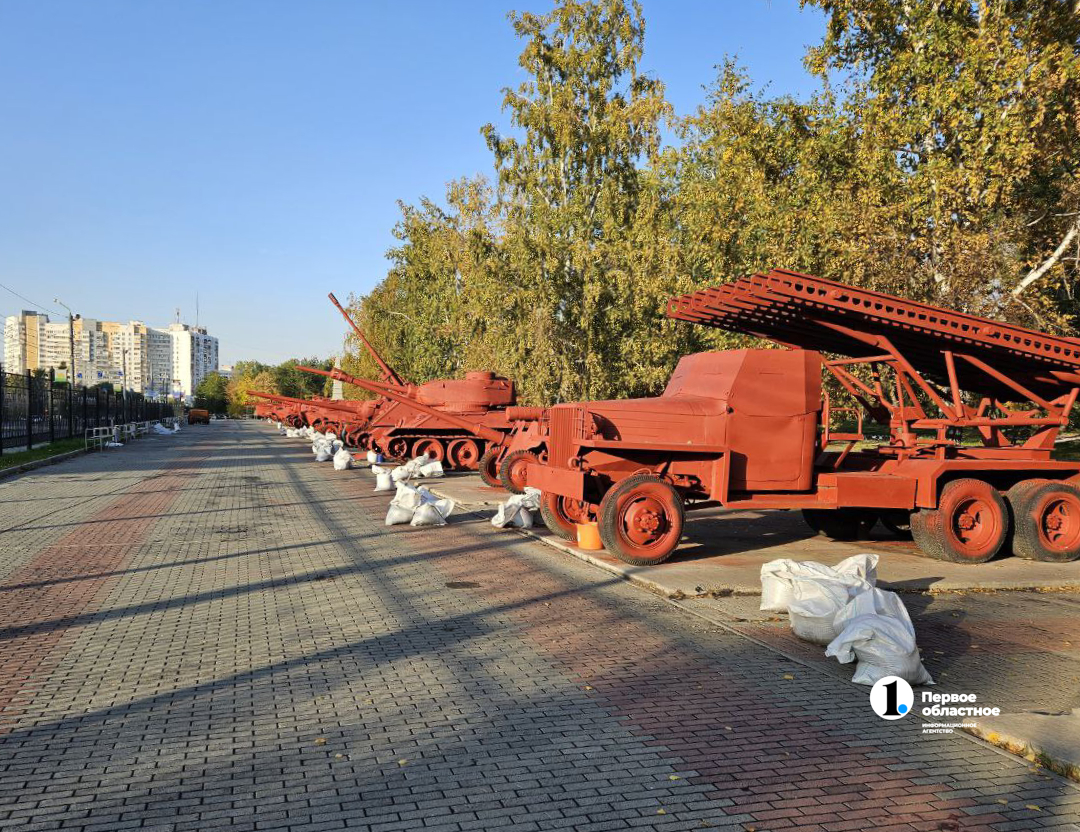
{"points": [[213, 631]]}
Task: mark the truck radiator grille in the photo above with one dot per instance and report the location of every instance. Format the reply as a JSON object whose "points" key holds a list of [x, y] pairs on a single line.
{"points": [[566, 426]]}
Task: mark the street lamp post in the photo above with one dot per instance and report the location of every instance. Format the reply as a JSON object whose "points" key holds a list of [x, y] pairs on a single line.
{"points": [[71, 370], [71, 339]]}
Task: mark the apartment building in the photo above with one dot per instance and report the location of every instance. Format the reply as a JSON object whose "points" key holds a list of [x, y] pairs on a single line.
{"points": [[170, 361]]}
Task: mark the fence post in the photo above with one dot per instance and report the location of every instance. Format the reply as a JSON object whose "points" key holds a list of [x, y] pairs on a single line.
{"points": [[3, 421], [71, 407], [29, 411], [49, 405]]}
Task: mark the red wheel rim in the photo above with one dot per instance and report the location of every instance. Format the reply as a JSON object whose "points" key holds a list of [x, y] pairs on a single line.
{"points": [[518, 471], [1059, 522], [398, 448], [644, 519], [575, 511], [432, 447], [975, 525], [464, 453]]}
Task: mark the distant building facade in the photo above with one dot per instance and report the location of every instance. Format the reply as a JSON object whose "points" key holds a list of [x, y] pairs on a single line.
{"points": [[170, 361]]}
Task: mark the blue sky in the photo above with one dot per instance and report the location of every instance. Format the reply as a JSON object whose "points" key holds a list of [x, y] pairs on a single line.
{"points": [[253, 151]]}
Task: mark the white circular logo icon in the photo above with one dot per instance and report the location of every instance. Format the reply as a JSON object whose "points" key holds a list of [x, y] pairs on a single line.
{"points": [[892, 698]]}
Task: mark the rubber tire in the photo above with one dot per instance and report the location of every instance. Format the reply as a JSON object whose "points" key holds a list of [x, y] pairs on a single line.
{"points": [[507, 462], [929, 527], [608, 522], [1028, 540], [557, 524], [488, 467], [840, 523], [1014, 498]]}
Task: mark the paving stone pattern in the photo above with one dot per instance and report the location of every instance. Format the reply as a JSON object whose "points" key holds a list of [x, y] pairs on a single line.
{"points": [[212, 631]]}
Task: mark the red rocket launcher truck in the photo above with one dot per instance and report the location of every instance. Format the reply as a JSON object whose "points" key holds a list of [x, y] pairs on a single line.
{"points": [[972, 408]]}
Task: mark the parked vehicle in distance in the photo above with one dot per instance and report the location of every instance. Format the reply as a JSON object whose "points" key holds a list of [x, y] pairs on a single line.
{"points": [[198, 416]]}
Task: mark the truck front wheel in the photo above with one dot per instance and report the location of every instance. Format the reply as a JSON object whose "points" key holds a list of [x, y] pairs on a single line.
{"points": [[562, 514], [641, 520]]}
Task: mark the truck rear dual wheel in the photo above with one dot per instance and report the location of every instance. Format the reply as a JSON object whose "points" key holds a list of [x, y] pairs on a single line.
{"points": [[641, 520], [1046, 518], [970, 524]]}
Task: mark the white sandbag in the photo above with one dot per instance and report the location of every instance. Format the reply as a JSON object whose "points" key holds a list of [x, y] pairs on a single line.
{"points": [[411, 469], [408, 497], [432, 514], [875, 628], [281, 431], [778, 577], [342, 460], [397, 516], [431, 470], [331, 436], [518, 510], [336, 445], [372, 457], [383, 482], [323, 454], [814, 605], [292, 433], [884, 646]]}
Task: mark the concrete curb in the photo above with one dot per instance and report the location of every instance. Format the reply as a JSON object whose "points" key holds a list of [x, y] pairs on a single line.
{"points": [[26, 467]]}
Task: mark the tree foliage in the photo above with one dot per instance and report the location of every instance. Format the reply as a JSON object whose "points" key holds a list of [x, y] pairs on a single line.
{"points": [[938, 160]]}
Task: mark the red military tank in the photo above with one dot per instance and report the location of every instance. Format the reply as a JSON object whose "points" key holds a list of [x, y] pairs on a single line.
{"points": [[972, 408]]}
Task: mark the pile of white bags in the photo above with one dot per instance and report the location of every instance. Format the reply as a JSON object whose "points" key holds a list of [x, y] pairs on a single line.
{"points": [[292, 433], [839, 606], [161, 430], [422, 467], [518, 510], [324, 448], [778, 577], [417, 507], [342, 460], [875, 628]]}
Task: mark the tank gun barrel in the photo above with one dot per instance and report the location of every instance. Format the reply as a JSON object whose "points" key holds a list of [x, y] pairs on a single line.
{"points": [[389, 375]]}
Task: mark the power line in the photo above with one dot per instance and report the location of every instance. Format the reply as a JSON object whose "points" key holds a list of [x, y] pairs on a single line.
{"points": [[23, 297]]}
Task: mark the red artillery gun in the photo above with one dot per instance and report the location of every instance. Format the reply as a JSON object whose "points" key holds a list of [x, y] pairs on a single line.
{"points": [[451, 420], [326, 415], [972, 407]]}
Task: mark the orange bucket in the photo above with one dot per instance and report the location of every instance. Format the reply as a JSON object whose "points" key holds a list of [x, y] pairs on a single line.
{"points": [[588, 536]]}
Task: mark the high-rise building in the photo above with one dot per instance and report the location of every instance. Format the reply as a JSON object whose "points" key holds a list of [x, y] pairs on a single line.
{"points": [[170, 361]]}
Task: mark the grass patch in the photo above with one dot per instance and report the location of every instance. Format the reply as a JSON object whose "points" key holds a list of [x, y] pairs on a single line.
{"points": [[61, 446]]}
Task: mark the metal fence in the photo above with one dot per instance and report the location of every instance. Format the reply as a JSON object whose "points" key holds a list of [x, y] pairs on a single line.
{"points": [[35, 409]]}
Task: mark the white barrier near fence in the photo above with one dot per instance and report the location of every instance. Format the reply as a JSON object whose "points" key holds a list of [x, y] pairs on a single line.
{"points": [[105, 437]]}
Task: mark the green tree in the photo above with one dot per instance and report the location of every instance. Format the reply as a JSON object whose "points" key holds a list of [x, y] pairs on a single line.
{"points": [[977, 105], [212, 393], [570, 188]]}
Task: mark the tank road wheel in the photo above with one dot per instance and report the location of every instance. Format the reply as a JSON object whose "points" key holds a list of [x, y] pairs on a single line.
{"points": [[432, 447], [398, 448], [641, 520], [1046, 515], [489, 468], [363, 441], [897, 521], [463, 454], [512, 471], [562, 514], [840, 523], [970, 524]]}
